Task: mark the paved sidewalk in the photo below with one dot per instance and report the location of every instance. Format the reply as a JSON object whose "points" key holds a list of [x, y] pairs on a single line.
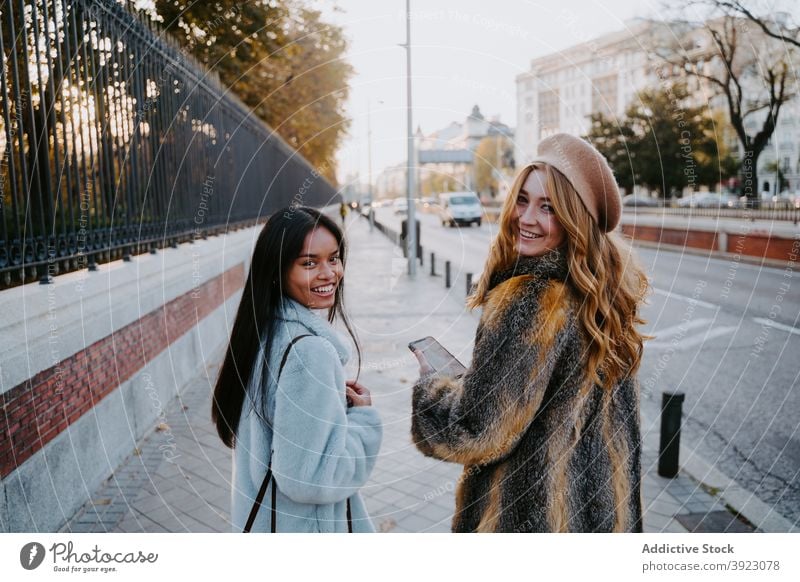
{"points": [[178, 480]]}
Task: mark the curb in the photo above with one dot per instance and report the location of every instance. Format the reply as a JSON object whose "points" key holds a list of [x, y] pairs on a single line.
{"points": [[736, 497]]}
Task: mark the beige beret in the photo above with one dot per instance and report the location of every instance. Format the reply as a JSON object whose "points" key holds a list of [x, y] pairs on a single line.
{"points": [[588, 172]]}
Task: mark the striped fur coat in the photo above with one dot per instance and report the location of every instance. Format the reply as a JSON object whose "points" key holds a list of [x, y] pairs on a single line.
{"points": [[543, 449]]}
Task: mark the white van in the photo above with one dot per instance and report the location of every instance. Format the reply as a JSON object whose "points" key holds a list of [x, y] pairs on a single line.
{"points": [[460, 208]]}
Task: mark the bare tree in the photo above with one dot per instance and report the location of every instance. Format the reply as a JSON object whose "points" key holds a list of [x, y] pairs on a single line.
{"points": [[771, 27], [750, 71]]}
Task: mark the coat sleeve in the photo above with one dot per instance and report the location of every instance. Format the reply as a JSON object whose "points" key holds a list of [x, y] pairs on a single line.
{"points": [[480, 417], [323, 451]]}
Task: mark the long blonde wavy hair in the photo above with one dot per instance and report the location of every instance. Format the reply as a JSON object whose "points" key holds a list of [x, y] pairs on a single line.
{"points": [[608, 282]]}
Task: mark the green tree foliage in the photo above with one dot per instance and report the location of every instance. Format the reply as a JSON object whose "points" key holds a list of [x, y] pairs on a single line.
{"points": [[435, 183], [664, 144], [491, 155], [614, 139], [280, 58]]}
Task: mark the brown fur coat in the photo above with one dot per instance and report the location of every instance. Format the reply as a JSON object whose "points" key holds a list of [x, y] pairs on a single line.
{"points": [[543, 448]]}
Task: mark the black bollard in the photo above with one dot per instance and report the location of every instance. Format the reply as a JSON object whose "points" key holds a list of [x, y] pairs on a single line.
{"points": [[669, 447], [447, 274], [418, 230], [433, 265], [469, 283]]}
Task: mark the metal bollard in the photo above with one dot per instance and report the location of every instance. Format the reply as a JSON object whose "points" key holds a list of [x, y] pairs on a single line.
{"points": [[469, 283], [669, 447], [447, 274], [418, 230], [433, 265]]}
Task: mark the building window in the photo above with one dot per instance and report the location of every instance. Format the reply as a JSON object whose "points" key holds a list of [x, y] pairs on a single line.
{"points": [[548, 110], [604, 95]]}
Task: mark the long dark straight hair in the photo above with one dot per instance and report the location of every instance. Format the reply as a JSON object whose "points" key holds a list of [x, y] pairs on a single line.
{"points": [[278, 246]]}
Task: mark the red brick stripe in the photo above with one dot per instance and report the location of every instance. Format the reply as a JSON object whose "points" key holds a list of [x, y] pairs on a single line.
{"points": [[39, 409], [685, 238]]}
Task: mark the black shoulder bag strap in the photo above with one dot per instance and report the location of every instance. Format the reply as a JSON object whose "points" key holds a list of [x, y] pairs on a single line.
{"points": [[268, 477]]}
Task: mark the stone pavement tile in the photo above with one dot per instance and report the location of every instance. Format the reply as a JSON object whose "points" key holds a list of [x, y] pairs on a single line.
{"points": [[220, 500], [86, 528], [388, 495], [700, 495], [128, 525], [436, 513], [656, 523], [417, 522], [149, 504], [696, 507], [673, 526], [663, 525], [148, 525], [204, 489], [382, 513], [183, 501], [446, 501], [663, 508], [165, 518], [189, 524]]}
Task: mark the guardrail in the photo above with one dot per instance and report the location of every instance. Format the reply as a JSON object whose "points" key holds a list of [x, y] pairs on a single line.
{"points": [[781, 213]]}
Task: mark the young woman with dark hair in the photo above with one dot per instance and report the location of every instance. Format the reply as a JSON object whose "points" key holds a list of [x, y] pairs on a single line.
{"points": [[300, 432]]}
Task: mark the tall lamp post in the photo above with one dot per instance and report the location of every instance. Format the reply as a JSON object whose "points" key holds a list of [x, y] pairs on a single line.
{"points": [[411, 230], [369, 175]]}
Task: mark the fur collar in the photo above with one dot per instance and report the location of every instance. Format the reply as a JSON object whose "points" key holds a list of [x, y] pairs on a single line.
{"points": [[317, 324], [551, 265]]}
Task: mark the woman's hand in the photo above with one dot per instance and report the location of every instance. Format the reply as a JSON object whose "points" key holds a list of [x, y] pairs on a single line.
{"points": [[357, 394], [424, 367]]}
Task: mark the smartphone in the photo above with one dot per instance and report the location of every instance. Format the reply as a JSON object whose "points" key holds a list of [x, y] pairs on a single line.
{"points": [[438, 357]]}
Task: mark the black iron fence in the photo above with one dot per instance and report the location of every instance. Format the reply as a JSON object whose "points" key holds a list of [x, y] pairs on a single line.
{"points": [[114, 142]]}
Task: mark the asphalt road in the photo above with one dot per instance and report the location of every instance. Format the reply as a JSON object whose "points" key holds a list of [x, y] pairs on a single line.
{"points": [[727, 335]]}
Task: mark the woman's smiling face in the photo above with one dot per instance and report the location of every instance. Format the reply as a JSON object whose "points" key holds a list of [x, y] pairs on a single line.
{"points": [[538, 229], [316, 273]]}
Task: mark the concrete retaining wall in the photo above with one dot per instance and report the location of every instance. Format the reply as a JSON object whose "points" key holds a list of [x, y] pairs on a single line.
{"points": [[89, 362]]}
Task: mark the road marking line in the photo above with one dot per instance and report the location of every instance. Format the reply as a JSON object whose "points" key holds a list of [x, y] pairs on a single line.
{"points": [[683, 326], [685, 298], [770, 323], [693, 341]]}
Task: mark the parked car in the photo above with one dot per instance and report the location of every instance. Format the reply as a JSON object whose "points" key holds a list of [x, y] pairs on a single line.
{"points": [[400, 206], [427, 204], [707, 200], [460, 208], [639, 200], [786, 199]]}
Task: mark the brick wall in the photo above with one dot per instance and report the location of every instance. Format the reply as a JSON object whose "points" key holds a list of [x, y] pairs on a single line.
{"points": [[37, 410], [785, 249], [696, 239], [753, 244]]}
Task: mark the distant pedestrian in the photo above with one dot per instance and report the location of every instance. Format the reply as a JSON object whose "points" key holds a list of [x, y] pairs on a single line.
{"points": [[303, 437], [546, 419], [343, 212]]}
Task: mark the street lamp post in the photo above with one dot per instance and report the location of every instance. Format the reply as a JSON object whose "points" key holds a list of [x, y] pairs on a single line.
{"points": [[411, 230], [369, 175]]}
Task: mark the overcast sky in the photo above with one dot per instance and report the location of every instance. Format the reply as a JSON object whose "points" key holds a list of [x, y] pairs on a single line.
{"points": [[464, 53]]}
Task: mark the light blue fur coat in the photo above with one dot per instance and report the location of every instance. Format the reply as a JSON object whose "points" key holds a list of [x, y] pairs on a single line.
{"points": [[324, 452]]}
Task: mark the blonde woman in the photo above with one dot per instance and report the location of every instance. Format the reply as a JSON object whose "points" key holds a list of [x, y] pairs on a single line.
{"points": [[546, 420]]}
